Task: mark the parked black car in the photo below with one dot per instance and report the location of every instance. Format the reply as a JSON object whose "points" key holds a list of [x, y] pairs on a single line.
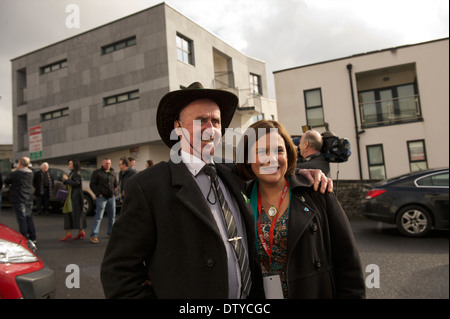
{"points": [[416, 202]]}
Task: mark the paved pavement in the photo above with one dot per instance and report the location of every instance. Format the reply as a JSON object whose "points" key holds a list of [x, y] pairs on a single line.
{"points": [[408, 268], [58, 255]]}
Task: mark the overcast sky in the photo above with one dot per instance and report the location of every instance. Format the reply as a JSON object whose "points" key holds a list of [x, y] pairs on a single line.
{"points": [[283, 33]]}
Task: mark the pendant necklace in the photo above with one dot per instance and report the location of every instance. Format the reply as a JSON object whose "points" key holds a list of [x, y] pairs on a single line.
{"points": [[268, 246], [272, 211]]}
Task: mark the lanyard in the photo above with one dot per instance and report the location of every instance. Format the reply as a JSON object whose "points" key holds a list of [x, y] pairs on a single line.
{"points": [[267, 249]]}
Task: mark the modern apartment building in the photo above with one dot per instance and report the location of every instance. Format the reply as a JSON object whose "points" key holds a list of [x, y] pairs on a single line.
{"points": [[392, 105], [95, 95]]}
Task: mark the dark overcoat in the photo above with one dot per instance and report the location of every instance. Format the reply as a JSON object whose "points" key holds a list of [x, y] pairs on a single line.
{"points": [[323, 259], [166, 235], [75, 182]]}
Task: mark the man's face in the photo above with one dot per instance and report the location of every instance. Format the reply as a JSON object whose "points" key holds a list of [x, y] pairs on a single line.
{"points": [[302, 147], [122, 166], [106, 165], [201, 120], [44, 168]]}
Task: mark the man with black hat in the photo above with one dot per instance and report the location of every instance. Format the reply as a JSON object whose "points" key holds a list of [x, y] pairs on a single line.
{"points": [[173, 238]]}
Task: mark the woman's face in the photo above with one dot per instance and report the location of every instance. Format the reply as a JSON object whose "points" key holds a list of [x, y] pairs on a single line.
{"points": [[70, 165], [271, 163]]}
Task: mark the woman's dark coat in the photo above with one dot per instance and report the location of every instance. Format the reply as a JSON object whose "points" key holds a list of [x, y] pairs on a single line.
{"points": [[323, 260], [166, 235], [75, 182]]}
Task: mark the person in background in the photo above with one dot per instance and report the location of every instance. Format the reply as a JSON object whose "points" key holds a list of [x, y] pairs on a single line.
{"points": [[43, 187], [310, 145], [304, 240], [132, 162], [148, 163], [104, 185], [124, 174], [21, 196], [74, 215]]}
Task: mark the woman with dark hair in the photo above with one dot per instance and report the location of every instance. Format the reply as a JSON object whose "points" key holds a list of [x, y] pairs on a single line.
{"points": [[304, 240], [74, 217]]}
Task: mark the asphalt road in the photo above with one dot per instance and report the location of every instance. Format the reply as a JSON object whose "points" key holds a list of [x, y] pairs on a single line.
{"points": [[398, 267]]}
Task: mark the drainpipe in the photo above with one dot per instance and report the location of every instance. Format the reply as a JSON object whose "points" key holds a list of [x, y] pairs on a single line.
{"points": [[349, 68]]}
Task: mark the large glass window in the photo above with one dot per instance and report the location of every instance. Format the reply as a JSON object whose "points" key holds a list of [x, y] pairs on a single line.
{"points": [[185, 49], [387, 106], [417, 155], [375, 158], [314, 107]]}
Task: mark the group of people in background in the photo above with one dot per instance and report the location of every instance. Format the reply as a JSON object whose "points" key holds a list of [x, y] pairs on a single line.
{"points": [[104, 184]]}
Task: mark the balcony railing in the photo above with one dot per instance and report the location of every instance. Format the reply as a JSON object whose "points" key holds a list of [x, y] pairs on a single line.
{"points": [[223, 80], [390, 111]]}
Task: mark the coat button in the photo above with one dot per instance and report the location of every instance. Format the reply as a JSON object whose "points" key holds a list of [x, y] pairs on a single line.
{"points": [[314, 228], [317, 264], [210, 262]]}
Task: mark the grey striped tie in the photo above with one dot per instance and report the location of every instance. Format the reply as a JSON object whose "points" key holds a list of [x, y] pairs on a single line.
{"points": [[210, 170]]}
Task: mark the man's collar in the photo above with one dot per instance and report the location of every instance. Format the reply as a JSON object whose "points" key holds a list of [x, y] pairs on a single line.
{"points": [[193, 163], [311, 156]]}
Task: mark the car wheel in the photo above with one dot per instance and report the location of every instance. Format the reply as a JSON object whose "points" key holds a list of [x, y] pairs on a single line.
{"points": [[87, 205], [413, 221]]}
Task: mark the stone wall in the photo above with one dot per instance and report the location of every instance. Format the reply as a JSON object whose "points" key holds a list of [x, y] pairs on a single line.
{"points": [[349, 193]]}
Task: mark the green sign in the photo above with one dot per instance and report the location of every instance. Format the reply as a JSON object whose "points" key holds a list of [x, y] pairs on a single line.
{"points": [[35, 155]]}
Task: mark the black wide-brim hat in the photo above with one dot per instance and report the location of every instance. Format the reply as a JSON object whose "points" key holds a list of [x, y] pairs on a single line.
{"points": [[172, 104]]}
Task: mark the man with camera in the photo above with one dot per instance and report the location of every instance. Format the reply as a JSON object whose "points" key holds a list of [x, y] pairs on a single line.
{"points": [[311, 157]]}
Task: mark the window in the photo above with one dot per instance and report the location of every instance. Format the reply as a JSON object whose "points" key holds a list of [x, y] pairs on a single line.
{"points": [[437, 180], [53, 67], [122, 44], [21, 83], [258, 117], [417, 155], [54, 114], [314, 107], [375, 158], [119, 98], [185, 50], [255, 84], [387, 106]]}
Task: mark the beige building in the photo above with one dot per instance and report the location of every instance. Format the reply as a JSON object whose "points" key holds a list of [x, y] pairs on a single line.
{"points": [[392, 105], [95, 95]]}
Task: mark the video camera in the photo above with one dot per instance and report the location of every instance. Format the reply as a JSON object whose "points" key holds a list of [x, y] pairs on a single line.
{"points": [[334, 149]]}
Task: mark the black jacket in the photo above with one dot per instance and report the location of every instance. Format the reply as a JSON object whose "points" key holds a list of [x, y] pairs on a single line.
{"points": [[323, 260], [315, 161], [166, 233], [75, 182], [103, 183], [124, 176], [21, 182], [37, 182]]}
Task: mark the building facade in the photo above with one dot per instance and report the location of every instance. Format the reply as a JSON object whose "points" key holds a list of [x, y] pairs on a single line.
{"points": [[392, 105], [96, 94]]}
